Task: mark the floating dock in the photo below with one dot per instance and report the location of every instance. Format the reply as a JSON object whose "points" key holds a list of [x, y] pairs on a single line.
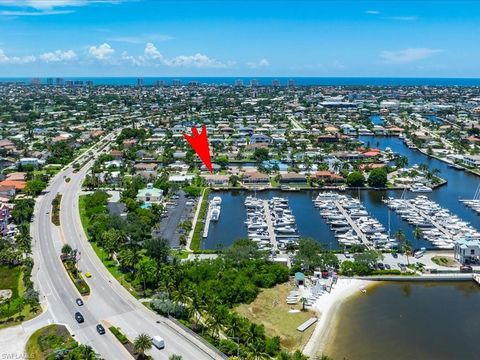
{"points": [[353, 224], [270, 229]]}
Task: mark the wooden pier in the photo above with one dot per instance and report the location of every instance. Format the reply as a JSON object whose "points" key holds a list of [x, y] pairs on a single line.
{"points": [[208, 218], [353, 224], [271, 231]]}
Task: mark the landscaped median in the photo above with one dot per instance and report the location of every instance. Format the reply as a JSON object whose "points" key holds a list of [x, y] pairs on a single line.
{"points": [[76, 277], [197, 232], [127, 344], [55, 342], [56, 209]]}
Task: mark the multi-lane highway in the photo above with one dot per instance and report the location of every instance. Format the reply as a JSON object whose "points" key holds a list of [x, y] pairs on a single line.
{"points": [[109, 303]]}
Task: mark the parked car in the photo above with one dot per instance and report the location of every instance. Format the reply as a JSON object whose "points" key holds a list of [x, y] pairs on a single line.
{"points": [[79, 317], [158, 342], [395, 255], [388, 267], [100, 329], [466, 269], [381, 266], [79, 301]]}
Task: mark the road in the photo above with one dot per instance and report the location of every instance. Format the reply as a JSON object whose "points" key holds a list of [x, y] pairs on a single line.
{"points": [[109, 303]]}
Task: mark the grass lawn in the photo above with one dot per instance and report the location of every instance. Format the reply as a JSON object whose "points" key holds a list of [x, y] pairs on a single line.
{"points": [[271, 310], [446, 261], [45, 341], [10, 278]]}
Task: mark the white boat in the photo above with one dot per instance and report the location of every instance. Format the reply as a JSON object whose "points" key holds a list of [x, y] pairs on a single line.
{"points": [[217, 200], [215, 214], [420, 188]]}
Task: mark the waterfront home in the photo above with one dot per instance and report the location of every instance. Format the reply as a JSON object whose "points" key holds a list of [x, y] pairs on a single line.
{"points": [[255, 177], [292, 177], [472, 160], [327, 177], [150, 195], [221, 180], [467, 250]]}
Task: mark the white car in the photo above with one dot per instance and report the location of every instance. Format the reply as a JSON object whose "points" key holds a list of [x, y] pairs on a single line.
{"points": [[158, 342]]}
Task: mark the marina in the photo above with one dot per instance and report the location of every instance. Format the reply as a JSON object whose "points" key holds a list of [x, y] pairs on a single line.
{"points": [[435, 224], [270, 223], [351, 223]]}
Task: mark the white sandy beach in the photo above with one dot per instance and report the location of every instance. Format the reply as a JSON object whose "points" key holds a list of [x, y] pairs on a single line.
{"points": [[326, 306]]}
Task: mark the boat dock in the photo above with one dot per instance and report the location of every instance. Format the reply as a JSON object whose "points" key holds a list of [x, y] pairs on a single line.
{"points": [[353, 224], [208, 219], [429, 218], [270, 229]]}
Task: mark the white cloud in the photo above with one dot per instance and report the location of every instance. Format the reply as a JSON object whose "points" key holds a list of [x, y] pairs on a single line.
{"points": [[4, 59], [408, 55], [263, 63], [152, 53], [101, 52], [58, 55], [198, 60], [135, 60], [47, 7], [372, 12], [34, 13]]}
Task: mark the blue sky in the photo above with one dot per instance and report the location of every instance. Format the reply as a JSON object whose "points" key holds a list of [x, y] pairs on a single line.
{"points": [[239, 38]]}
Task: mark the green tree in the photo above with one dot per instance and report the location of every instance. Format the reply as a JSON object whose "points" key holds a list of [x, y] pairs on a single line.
{"points": [[377, 178], [308, 254], [35, 187], [355, 179], [141, 344]]}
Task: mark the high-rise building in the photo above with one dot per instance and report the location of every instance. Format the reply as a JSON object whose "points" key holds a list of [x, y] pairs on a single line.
{"points": [[291, 82], [59, 81], [176, 82], [254, 82], [239, 82], [276, 83], [193, 83], [50, 81], [69, 82], [140, 82], [89, 83], [160, 83], [78, 83]]}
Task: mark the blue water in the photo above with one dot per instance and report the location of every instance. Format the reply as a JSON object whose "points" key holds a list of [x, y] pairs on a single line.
{"points": [[460, 185], [434, 119], [352, 81], [376, 119]]}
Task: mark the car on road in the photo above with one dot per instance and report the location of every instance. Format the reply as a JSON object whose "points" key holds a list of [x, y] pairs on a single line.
{"points": [[79, 301], [79, 317], [100, 329], [158, 342], [88, 274]]}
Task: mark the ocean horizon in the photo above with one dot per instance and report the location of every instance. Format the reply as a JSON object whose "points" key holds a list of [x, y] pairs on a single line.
{"points": [[261, 81]]}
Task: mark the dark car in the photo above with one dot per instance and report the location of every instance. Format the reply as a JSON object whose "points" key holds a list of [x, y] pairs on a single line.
{"points": [[395, 255], [388, 267], [79, 317], [100, 329], [79, 301], [381, 266]]}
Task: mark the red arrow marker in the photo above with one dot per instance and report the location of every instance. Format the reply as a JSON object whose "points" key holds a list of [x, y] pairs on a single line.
{"points": [[199, 143]]}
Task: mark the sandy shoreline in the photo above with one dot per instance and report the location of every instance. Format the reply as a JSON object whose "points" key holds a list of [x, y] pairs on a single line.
{"points": [[327, 306]]}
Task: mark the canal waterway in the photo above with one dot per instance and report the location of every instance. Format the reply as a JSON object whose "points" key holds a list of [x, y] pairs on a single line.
{"points": [[409, 321], [460, 185]]}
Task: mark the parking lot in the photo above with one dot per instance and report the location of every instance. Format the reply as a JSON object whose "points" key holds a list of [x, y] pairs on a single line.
{"points": [[177, 211]]}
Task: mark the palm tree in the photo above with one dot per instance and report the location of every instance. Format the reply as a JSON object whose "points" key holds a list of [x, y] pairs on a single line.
{"points": [[142, 343], [417, 233], [303, 300], [175, 357], [407, 250], [87, 353]]}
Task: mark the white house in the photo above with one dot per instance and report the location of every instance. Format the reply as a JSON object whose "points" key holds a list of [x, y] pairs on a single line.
{"points": [[467, 250], [472, 160]]}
